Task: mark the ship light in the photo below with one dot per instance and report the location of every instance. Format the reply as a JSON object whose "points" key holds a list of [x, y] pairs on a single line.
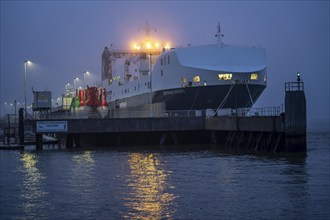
{"points": [[157, 45], [254, 76], [196, 79], [148, 45], [225, 76], [136, 46], [167, 46]]}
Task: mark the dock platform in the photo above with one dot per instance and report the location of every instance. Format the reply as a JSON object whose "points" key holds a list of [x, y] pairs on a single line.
{"points": [[284, 130]]}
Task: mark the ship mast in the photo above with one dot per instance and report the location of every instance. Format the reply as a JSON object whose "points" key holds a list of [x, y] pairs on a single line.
{"points": [[219, 36], [147, 30]]}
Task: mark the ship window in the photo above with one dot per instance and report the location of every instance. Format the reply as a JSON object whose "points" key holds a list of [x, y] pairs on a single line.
{"points": [[184, 80], [254, 76], [225, 76], [265, 78], [161, 72], [168, 59], [196, 79]]}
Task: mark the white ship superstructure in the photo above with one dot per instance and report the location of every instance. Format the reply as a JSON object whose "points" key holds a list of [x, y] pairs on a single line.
{"points": [[214, 76]]}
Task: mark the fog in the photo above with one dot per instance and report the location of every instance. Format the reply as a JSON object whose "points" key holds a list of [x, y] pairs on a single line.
{"points": [[64, 39]]}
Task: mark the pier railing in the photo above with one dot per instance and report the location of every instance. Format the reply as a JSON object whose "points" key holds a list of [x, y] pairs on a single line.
{"points": [[241, 112], [294, 86]]}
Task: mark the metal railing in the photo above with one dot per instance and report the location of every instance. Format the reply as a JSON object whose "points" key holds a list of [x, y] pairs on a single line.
{"points": [[294, 86], [241, 112]]}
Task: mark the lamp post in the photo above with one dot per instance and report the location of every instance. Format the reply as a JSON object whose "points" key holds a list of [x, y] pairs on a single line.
{"points": [[25, 66], [74, 85], [75, 93], [67, 89], [5, 108], [86, 72]]}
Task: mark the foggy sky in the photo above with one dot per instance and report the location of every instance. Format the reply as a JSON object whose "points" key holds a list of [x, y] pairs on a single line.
{"points": [[64, 39]]}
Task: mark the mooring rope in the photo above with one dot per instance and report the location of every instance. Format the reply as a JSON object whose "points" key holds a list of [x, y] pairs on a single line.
{"points": [[249, 92], [225, 99]]}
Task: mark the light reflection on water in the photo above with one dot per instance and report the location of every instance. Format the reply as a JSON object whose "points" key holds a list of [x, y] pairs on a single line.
{"points": [[149, 196], [165, 184], [81, 180], [32, 194]]}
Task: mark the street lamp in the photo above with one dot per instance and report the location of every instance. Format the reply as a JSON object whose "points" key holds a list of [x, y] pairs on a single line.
{"points": [[86, 72], [67, 89], [25, 65], [6, 108], [74, 85]]}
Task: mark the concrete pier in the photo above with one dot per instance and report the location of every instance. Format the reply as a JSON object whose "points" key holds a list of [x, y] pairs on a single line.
{"points": [[275, 132]]}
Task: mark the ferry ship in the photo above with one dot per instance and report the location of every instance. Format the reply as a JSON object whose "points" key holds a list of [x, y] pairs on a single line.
{"points": [[153, 75]]}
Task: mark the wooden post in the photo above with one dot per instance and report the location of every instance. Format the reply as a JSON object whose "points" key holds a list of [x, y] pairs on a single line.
{"points": [[39, 141], [21, 126]]}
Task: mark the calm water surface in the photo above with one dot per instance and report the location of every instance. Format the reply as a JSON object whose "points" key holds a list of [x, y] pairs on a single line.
{"points": [[195, 183]]}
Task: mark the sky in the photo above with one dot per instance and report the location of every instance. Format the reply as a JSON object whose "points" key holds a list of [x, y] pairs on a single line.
{"points": [[65, 38]]}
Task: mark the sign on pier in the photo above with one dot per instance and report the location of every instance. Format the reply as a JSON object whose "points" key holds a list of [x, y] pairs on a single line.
{"points": [[52, 126]]}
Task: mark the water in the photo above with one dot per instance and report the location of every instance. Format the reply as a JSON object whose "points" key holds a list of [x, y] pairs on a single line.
{"points": [[195, 183]]}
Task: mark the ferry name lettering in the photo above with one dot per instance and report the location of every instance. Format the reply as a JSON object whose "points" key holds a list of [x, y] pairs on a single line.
{"points": [[173, 92]]}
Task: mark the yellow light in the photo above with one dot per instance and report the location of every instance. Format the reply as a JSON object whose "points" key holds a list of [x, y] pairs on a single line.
{"points": [[167, 46], [225, 76], [196, 79], [254, 76], [148, 45], [157, 45]]}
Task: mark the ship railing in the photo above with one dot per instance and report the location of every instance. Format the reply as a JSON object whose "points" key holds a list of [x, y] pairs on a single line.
{"points": [[265, 111]]}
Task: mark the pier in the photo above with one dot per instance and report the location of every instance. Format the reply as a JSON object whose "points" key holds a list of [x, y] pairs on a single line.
{"points": [[277, 129]]}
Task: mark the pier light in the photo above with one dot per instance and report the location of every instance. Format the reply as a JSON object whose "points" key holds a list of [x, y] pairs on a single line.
{"points": [[67, 88], [26, 63], [85, 73]]}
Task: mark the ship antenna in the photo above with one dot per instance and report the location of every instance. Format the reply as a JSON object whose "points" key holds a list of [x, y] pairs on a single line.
{"points": [[147, 29], [218, 35]]}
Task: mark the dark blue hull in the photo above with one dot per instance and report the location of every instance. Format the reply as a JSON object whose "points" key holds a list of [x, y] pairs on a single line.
{"points": [[209, 97], [196, 97]]}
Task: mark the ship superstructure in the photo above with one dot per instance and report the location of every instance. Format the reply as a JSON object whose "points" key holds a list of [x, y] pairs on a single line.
{"points": [[153, 75]]}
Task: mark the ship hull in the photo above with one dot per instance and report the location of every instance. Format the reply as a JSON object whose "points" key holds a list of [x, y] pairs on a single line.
{"points": [[195, 98]]}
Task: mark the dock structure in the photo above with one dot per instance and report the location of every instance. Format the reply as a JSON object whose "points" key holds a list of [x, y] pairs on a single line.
{"points": [[266, 130]]}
